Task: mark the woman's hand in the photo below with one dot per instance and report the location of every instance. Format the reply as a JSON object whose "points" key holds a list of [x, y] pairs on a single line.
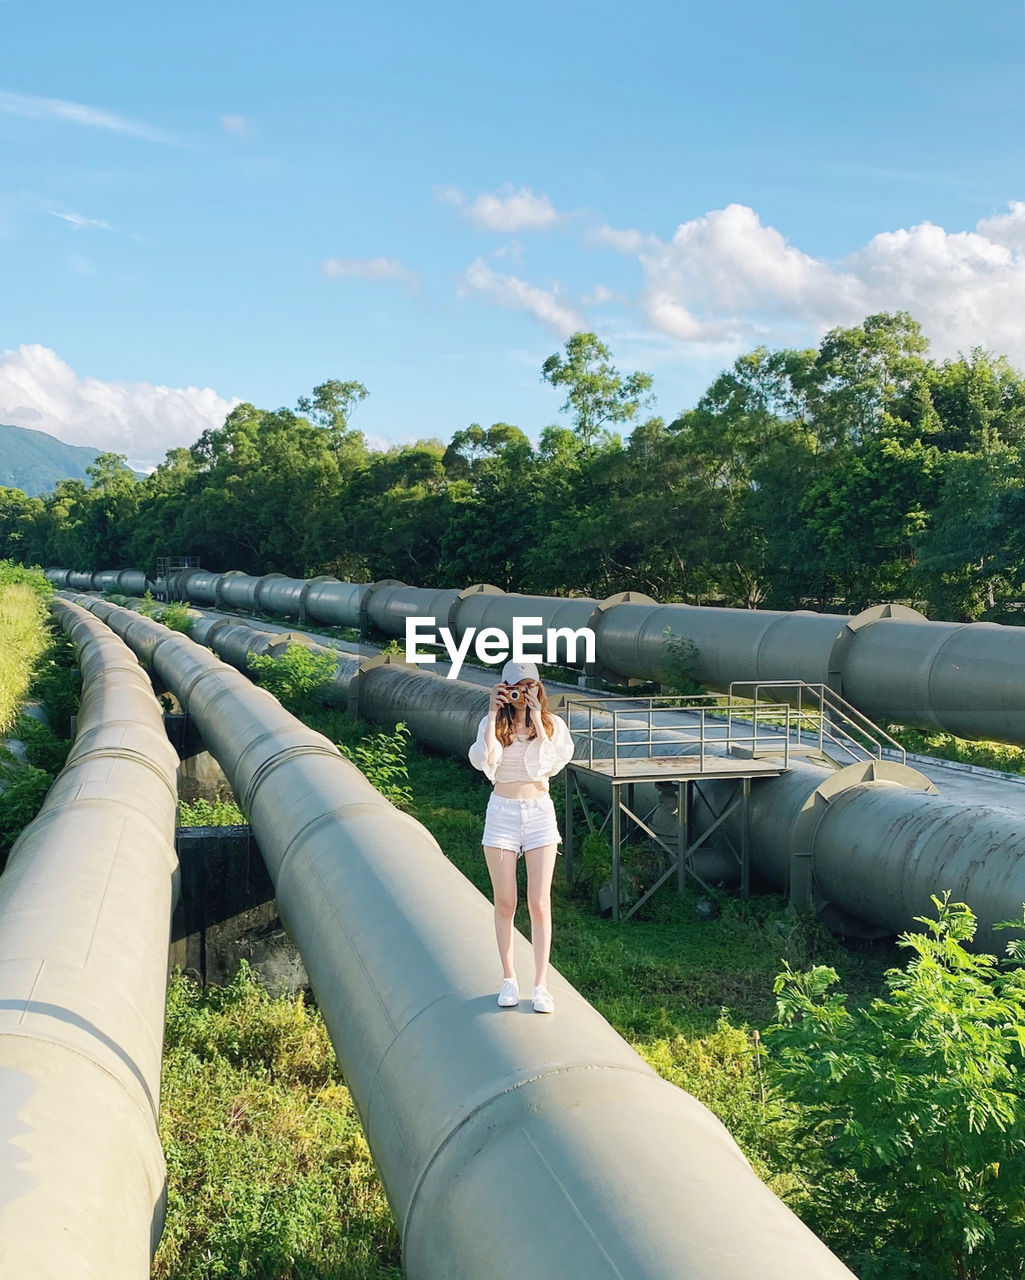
{"points": [[534, 706], [499, 698]]}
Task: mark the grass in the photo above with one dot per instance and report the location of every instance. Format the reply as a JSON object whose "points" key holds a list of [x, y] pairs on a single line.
{"points": [[24, 636], [269, 1175], [945, 746], [34, 661]]}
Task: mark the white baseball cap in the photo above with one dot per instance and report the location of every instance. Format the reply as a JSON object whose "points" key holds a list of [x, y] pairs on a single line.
{"points": [[514, 672]]}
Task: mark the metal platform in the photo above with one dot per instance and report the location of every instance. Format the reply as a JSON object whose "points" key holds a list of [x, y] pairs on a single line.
{"points": [[680, 742], [666, 768]]}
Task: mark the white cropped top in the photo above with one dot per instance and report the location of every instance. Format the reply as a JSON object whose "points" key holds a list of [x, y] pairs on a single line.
{"points": [[512, 767], [529, 760]]}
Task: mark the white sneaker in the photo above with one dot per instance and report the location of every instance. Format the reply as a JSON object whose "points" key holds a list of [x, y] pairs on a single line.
{"points": [[543, 1001], [510, 993]]}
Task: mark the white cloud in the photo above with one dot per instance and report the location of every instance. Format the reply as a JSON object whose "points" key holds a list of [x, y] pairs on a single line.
{"points": [[370, 269], [505, 210], [31, 107], [78, 222], [512, 292], [39, 390], [236, 126], [1006, 228], [624, 240], [725, 277]]}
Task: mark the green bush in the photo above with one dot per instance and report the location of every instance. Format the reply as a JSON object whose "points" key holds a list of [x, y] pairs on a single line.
{"points": [[148, 606], [25, 790], [382, 758], [679, 657], [295, 677], [912, 1112], [210, 813], [58, 684], [176, 616], [44, 748]]}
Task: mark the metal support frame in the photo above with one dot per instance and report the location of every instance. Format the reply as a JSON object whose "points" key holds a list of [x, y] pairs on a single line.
{"points": [[688, 789]]}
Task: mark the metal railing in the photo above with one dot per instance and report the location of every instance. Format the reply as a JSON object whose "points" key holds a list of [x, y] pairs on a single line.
{"points": [[823, 720], [648, 726]]}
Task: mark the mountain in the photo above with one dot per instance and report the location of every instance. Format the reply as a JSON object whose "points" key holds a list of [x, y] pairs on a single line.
{"points": [[34, 461]]}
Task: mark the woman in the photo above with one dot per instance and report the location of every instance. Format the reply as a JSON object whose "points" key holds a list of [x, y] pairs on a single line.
{"points": [[520, 745]]}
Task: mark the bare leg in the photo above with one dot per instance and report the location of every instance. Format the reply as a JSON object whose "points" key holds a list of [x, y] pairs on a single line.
{"points": [[502, 866], [540, 868]]}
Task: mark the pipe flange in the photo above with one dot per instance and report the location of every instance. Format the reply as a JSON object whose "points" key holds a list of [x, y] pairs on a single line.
{"points": [[266, 577], [595, 670], [783, 617], [304, 593], [364, 604], [478, 589], [841, 645], [378, 660], [285, 639], [804, 894], [287, 754], [219, 586]]}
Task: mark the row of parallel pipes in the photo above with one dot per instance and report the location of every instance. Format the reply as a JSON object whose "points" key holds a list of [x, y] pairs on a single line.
{"points": [[509, 1145], [889, 661]]}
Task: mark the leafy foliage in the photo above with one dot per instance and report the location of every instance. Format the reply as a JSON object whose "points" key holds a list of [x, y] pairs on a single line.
{"points": [[382, 758], [44, 748], [679, 658], [173, 614], [58, 683], [986, 755], [913, 1109], [210, 813], [23, 792], [295, 677]]}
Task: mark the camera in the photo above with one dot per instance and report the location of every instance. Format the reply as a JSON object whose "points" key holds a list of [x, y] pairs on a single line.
{"points": [[514, 694]]}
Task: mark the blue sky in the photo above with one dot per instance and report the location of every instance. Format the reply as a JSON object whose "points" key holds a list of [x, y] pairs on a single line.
{"points": [[208, 202]]}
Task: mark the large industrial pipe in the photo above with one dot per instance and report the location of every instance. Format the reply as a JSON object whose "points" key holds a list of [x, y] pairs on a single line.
{"points": [[889, 661], [85, 918], [510, 1145], [877, 841]]}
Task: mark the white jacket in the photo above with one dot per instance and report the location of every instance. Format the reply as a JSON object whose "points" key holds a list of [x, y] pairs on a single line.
{"points": [[542, 758]]}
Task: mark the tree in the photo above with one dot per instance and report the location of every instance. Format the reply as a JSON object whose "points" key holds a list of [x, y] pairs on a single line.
{"points": [[473, 447], [18, 512], [597, 393], [332, 403], [862, 374]]}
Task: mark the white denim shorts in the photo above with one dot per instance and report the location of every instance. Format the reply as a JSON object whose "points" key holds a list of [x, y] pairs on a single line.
{"points": [[520, 824]]}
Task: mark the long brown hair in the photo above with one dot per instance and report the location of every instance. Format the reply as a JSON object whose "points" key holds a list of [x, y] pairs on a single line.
{"points": [[504, 719]]}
